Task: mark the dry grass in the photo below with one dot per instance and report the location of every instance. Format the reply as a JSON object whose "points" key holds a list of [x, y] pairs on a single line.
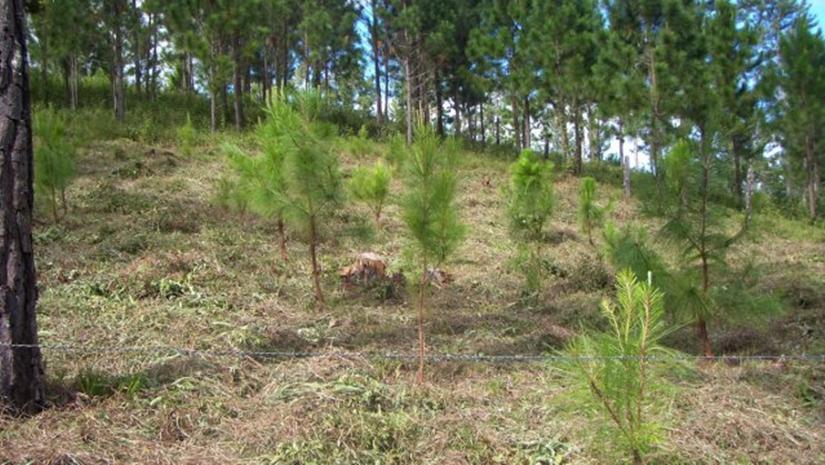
{"points": [[145, 258]]}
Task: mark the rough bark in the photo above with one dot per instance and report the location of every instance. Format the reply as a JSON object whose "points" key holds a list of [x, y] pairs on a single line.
{"points": [[21, 369]]}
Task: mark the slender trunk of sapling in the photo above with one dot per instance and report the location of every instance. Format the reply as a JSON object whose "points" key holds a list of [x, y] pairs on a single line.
{"points": [[282, 240], [422, 295], [316, 270]]}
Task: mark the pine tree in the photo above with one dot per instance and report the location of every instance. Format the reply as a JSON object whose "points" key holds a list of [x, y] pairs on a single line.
{"points": [[695, 223], [802, 81], [21, 368], [430, 213]]}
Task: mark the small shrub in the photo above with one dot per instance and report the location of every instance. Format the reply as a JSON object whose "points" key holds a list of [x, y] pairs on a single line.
{"points": [[371, 186], [54, 155]]}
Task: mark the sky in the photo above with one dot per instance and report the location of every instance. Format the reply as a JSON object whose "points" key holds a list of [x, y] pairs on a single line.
{"points": [[818, 9]]}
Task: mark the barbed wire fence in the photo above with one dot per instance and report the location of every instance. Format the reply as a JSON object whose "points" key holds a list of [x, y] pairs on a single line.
{"points": [[400, 356]]}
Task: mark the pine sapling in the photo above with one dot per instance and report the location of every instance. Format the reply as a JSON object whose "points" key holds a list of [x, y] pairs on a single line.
{"points": [[694, 222], [371, 186], [615, 368], [430, 213], [54, 156], [590, 214], [530, 205]]}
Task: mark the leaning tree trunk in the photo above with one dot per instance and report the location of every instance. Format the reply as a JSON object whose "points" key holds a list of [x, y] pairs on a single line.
{"points": [[21, 369]]}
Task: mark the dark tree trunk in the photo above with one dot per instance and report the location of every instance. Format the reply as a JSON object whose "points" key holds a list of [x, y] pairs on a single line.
{"points": [[526, 123], [439, 109], [577, 134], [376, 58], [21, 368], [498, 130], [408, 107], [136, 39], [237, 84], [516, 125], [386, 56], [457, 109], [118, 83]]}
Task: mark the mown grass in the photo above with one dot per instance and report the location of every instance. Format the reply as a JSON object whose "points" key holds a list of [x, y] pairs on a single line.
{"points": [[146, 257]]}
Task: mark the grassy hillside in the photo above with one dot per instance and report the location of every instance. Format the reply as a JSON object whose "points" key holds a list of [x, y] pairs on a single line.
{"points": [[147, 258]]}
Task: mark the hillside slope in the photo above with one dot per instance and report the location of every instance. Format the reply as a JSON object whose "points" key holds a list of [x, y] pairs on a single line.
{"points": [[145, 259]]}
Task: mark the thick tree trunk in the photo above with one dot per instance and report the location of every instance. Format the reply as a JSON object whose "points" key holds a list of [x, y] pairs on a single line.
{"points": [[21, 368]]}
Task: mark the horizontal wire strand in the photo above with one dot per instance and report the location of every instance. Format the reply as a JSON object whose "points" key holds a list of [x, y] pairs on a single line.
{"points": [[434, 357]]}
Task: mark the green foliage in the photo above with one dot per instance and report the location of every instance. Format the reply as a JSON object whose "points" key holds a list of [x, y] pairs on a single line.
{"points": [[430, 213], [187, 136], [371, 186], [396, 150], [428, 205], [615, 368], [590, 214], [360, 145], [54, 158], [531, 196], [530, 203]]}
